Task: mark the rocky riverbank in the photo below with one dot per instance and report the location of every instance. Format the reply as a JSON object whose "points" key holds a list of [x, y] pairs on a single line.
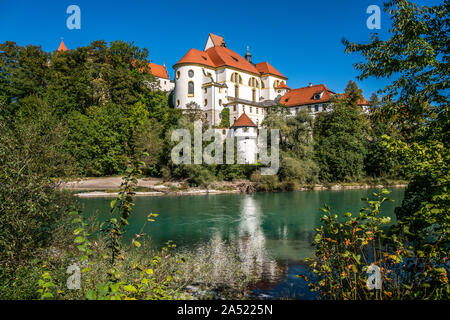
{"points": [[109, 187]]}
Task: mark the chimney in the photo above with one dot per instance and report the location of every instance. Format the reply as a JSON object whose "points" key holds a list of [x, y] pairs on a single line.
{"points": [[310, 85]]}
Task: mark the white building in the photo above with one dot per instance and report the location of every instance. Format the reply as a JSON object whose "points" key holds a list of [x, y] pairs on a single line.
{"points": [[160, 72], [246, 134], [218, 77], [315, 99]]}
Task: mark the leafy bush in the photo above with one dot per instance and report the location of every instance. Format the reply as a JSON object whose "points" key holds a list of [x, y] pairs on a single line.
{"points": [[346, 247]]}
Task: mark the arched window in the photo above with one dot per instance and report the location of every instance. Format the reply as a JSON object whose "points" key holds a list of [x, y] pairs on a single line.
{"points": [[262, 84], [253, 82], [206, 102], [276, 83], [220, 102], [178, 74], [236, 78], [190, 89]]}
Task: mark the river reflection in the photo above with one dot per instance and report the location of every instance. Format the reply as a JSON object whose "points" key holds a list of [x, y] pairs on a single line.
{"points": [[252, 241], [272, 231]]}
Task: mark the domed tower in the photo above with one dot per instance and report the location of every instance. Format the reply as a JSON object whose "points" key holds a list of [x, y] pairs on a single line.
{"points": [[246, 134]]}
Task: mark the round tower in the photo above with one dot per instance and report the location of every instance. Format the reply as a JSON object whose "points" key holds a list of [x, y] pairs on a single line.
{"points": [[246, 134]]}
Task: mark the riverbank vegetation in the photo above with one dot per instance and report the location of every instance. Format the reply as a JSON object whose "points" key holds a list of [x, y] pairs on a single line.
{"points": [[106, 107], [413, 255]]}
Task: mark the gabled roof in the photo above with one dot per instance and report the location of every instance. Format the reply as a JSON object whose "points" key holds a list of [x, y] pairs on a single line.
{"points": [[283, 85], [158, 70], [217, 40], [243, 121], [62, 46], [305, 95], [266, 68], [217, 55], [222, 56]]}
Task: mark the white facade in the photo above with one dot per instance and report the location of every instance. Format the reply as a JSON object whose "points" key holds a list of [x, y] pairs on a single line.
{"points": [[246, 139], [213, 88], [166, 84]]}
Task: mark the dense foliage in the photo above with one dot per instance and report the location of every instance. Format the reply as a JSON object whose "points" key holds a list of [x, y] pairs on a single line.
{"points": [[104, 97], [418, 54], [340, 138]]}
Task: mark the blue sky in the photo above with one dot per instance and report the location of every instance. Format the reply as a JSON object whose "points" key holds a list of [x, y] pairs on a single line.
{"points": [[302, 39]]}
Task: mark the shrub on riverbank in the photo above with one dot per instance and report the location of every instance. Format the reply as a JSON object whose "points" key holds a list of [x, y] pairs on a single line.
{"points": [[355, 259], [107, 267]]}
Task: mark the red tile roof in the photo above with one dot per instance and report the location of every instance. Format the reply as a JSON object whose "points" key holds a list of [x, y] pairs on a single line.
{"points": [[243, 121], [217, 40], [302, 96], [219, 56], [266, 68], [222, 56], [158, 70], [196, 56], [62, 46], [283, 85]]}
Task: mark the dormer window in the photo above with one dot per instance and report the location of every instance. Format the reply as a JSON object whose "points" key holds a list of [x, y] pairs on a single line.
{"points": [[318, 96]]}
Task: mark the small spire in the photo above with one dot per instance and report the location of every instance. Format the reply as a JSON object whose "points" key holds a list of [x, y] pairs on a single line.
{"points": [[62, 46], [248, 55]]}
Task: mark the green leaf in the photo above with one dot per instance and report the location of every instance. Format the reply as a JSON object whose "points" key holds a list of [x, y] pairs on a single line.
{"points": [[130, 288], [149, 271], [79, 239]]}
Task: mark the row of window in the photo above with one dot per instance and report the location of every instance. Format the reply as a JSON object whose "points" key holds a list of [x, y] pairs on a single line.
{"points": [[237, 79], [258, 110], [205, 102], [312, 107]]}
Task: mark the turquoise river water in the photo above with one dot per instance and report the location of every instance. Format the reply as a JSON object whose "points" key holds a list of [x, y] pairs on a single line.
{"points": [[274, 231]]}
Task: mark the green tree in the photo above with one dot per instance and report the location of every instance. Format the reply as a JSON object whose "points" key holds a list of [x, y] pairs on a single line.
{"points": [[225, 116], [417, 54], [296, 144], [340, 138], [31, 158]]}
